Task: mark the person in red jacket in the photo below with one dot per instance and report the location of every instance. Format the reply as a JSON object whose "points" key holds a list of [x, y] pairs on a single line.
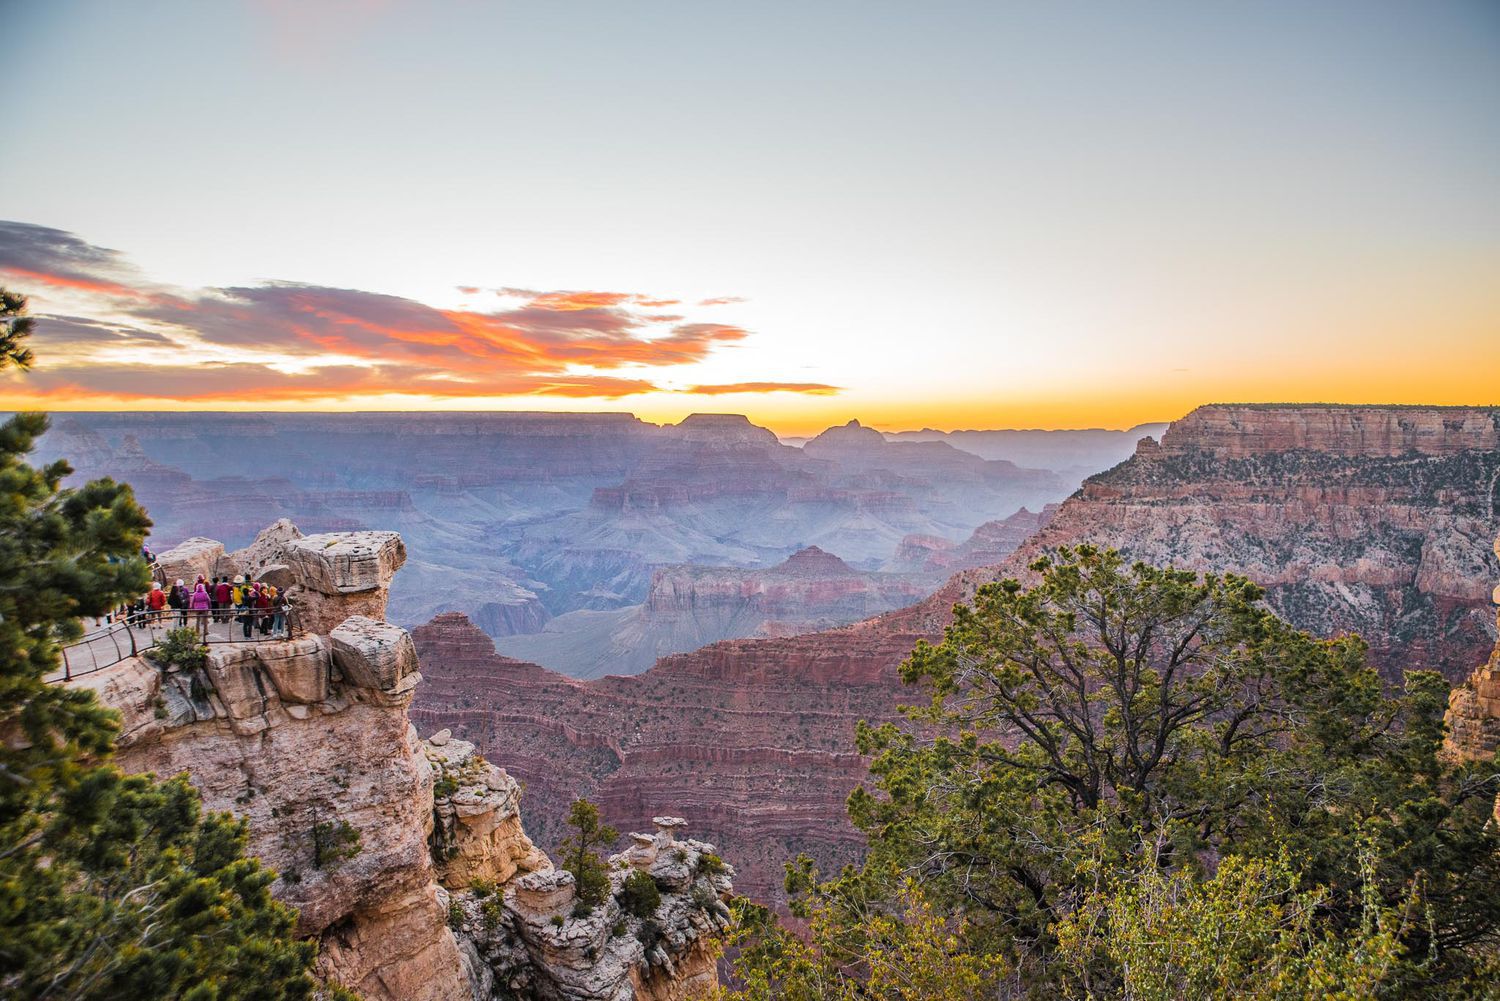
{"points": [[155, 602], [223, 595]]}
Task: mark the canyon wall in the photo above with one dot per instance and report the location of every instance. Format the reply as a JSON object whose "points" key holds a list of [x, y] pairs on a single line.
{"points": [[1474, 706], [1371, 519], [406, 859], [688, 607]]}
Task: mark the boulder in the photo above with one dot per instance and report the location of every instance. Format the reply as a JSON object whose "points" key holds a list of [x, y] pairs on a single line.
{"points": [[345, 562], [268, 549], [234, 671], [191, 558], [373, 654], [298, 668], [342, 574], [278, 575]]}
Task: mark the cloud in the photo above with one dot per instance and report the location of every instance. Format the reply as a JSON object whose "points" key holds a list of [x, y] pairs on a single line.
{"points": [[721, 300], [122, 336], [723, 389]]}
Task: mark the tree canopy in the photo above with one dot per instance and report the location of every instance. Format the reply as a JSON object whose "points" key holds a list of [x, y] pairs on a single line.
{"points": [[1113, 738]]}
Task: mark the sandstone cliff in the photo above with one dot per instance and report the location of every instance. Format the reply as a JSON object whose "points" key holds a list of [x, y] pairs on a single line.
{"points": [[1474, 706], [406, 858]]}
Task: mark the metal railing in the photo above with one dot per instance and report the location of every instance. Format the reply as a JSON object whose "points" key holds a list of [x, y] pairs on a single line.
{"points": [[136, 632]]}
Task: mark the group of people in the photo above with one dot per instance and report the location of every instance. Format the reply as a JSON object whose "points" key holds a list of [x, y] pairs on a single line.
{"points": [[255, 605]]}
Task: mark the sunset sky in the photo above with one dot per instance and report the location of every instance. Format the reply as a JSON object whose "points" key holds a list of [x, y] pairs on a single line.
{"points": [[936, 214]]}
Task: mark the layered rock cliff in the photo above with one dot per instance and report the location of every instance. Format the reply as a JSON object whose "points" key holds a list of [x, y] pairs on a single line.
{"points": [[1474, 706], [1375, 520], [689, 607], [406, 859], [1355, 518]]}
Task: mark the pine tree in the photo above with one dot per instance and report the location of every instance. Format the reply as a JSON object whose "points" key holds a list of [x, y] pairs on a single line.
{"points": [[580, 850], [111, 886]]}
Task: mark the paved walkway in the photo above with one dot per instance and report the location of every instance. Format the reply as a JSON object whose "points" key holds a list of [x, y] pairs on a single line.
{"points": [[104, 645]]}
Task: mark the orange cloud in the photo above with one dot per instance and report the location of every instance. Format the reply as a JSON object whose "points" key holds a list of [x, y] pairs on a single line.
{"points": [[723, 389], [288, 342]]}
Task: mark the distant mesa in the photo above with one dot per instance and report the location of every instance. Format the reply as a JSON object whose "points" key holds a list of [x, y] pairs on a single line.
{"points": [[814, 561]]}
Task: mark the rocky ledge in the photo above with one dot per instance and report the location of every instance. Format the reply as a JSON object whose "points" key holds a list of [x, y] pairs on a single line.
{"points": [[405, 858]]}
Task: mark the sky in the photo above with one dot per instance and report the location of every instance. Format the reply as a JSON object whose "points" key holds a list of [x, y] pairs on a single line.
{"points": [[944, 214]]}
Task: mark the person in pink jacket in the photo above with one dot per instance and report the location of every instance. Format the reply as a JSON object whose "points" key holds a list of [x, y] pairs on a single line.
{"points": [[199, 603]]}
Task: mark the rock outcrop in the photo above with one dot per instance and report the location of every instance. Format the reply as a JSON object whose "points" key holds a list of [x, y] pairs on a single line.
{"points": [[1375, 520], [1474, 706], [403, 856]]}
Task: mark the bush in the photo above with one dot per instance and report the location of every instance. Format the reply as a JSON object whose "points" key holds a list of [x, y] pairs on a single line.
{"points": [[640, 897], [333, 842], [455, 914], [179, 650], [557, 920], [493, 910]]}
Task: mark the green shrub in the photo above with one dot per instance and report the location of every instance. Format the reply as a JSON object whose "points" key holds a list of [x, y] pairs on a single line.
{"points": [[333, 842], [493, 910], [179, 650], [455, 914], [557, 920], [640, 896]]}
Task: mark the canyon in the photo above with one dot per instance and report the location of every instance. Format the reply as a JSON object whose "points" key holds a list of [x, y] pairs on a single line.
{"points": [[518, 518], [1368, 519]]}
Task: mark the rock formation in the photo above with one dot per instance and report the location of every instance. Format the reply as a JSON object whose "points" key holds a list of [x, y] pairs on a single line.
{"points": [[1375, 520], [991, 543], [1474, 706], [405, 858], [1369, 519], [689, 607]]}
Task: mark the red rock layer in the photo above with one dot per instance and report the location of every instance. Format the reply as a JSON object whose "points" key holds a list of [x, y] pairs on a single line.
{"points": [[755, 736]]}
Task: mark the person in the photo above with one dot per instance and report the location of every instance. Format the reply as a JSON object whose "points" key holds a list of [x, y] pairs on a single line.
{"points": [[178, 598], [147, 554], [199, 605], [224, 598], [156, 601], [283, 610], [247, 609], [267, 606], [136, 615]]}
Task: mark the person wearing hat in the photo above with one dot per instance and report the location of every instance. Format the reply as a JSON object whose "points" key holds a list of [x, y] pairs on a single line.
{"points": [[178, 598]]}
